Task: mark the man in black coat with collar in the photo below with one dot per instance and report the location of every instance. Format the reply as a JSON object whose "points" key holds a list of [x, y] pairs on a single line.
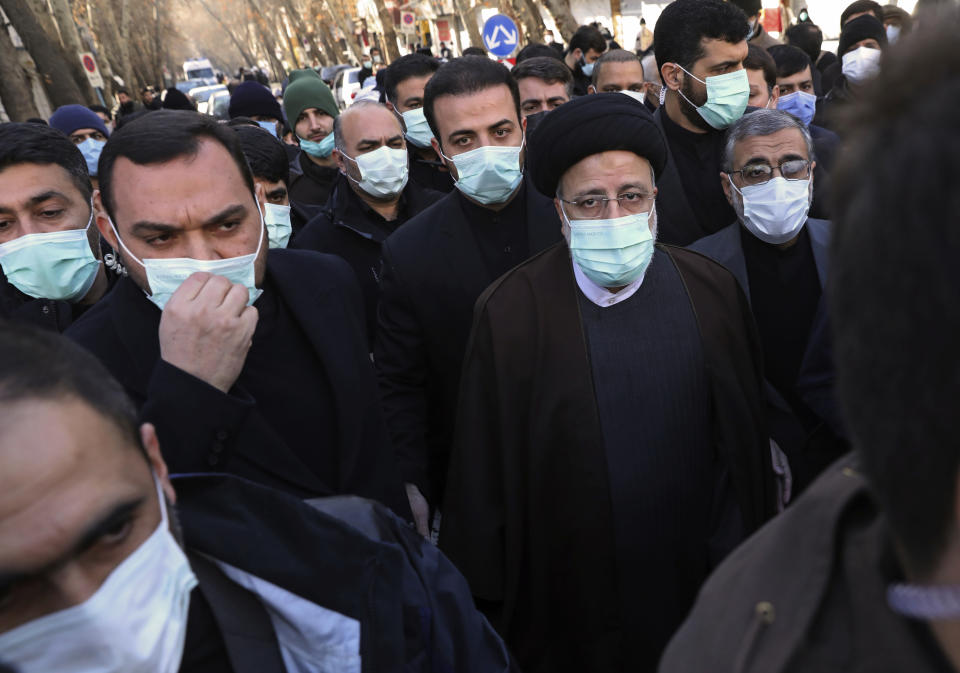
{"points": [[700, 48], [254, 364], [51, 261], [372, 197], [436, 265]]}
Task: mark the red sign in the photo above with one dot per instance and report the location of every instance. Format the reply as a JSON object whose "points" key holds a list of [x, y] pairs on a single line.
{"points": [[89, 63], [443, 31]]}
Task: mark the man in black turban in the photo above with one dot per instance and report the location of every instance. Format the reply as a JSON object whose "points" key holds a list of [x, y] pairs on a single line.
{"points": [[610, 447]]}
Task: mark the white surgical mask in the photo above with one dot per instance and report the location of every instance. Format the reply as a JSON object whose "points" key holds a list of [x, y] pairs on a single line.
{"points": [[775, 211], [55, 265], [166, 275], [861, 64], [136, 622], [383, 172], [418, 130], [489, 174], [277, 220]]}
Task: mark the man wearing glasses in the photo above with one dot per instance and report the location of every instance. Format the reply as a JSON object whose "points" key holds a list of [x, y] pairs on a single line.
{"points": [[610, 445], [779, 256]]}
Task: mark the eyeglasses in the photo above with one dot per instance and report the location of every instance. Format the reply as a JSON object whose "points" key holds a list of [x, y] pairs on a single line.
{"points": [[761, 172], [593, 207]]}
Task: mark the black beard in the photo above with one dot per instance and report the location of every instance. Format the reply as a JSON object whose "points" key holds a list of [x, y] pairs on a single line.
{"points": [[689, 109]]}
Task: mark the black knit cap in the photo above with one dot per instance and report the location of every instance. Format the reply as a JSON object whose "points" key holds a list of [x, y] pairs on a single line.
{"points": [[590, 125], [252, 99], [861, 28]]}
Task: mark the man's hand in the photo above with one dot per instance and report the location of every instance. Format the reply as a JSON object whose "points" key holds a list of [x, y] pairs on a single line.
{"points": [[207, 328], [420, 509]]}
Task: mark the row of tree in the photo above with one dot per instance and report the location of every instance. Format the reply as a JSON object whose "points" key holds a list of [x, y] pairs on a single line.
{"points": [[138, 42]]}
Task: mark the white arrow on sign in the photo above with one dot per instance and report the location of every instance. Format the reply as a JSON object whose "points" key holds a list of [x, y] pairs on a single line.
{"points": [[509, 37]]}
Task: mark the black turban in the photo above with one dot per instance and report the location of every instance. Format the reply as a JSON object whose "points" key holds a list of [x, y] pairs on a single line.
{"points": [[858, 29], [589, 125]]}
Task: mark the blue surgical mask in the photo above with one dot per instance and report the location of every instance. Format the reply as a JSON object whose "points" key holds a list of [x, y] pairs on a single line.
{"points": [[56, 265], [321, 149], [489, 174], [800, 104], [418, 130], [586, 68], [91, 150], [727, 97], [613, 252], [269, 126], [279, 229], [165, 275]]}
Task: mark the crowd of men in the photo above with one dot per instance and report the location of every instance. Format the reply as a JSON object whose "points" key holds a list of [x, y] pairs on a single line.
{"points": [[612, 361]]}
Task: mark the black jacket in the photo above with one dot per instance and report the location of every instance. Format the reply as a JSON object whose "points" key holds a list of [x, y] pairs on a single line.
{"points": [[432, 275], [807, 594], [46, 313], [345, 554], [204, 430], [349, 228], [310, 184], [427, 174]]}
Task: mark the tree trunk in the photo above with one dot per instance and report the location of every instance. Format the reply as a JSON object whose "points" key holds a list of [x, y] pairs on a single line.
{"points": [[469, 19], [389, 32], [313, 53], [330, 44], [72, 46], [54, 72], [15, 92], [112, 42], [616, 17], [266, 38], [563, 17], [339, 14], [528, 13]]}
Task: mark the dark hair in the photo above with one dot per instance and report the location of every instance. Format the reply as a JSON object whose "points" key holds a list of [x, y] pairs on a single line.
{"points": [[547, 68], [101, 109], [789, 59], [43, 365], [808, 37], [613, 56], [862, 6], [28, 143], [683, 24], [475, 51], [587, 38], [265, 154], [466, 75], [537, 50], [749, 7], [758, 59], [404, 68], [425, 51], [893, 287], [163, 136]]}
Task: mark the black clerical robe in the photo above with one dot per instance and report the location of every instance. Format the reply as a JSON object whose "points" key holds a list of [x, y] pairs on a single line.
{"points": [[528, 515]]}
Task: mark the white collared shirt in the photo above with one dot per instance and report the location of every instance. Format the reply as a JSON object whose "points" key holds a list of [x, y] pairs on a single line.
{"points": [[601, 296]]}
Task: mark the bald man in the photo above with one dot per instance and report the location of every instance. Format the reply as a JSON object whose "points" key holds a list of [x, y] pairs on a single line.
{"points": [[371, 197]]}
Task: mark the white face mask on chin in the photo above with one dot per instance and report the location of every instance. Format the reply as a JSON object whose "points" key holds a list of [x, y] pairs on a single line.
{"points": [[136, 622]]}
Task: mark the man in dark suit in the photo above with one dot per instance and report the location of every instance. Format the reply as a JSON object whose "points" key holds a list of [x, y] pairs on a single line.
{"points": [[438, 263], [700, 49], [111, 565], [249, 363], [372, 197], [779, 256]]}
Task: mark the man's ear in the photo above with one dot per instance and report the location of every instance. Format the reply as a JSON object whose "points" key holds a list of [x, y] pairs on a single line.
{"points": [[672, 76], [338, 158], [102, 219], [591, 89], [148, 435]]}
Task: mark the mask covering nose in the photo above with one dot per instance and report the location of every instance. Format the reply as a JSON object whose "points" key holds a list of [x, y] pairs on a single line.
{"points": [[136, 622], [91, 149], [800, 104], [164, 276], [383, 172], [55, 265], [613, 252], [775, 211], [489, 174], [861, 64], [727, 97], [277, 220], [418, 130]]}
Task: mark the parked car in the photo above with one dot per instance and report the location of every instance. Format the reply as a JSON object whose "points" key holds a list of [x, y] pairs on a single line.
{"points": [[186, 85], [345, 86], [218, 104], [202, 93]]}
